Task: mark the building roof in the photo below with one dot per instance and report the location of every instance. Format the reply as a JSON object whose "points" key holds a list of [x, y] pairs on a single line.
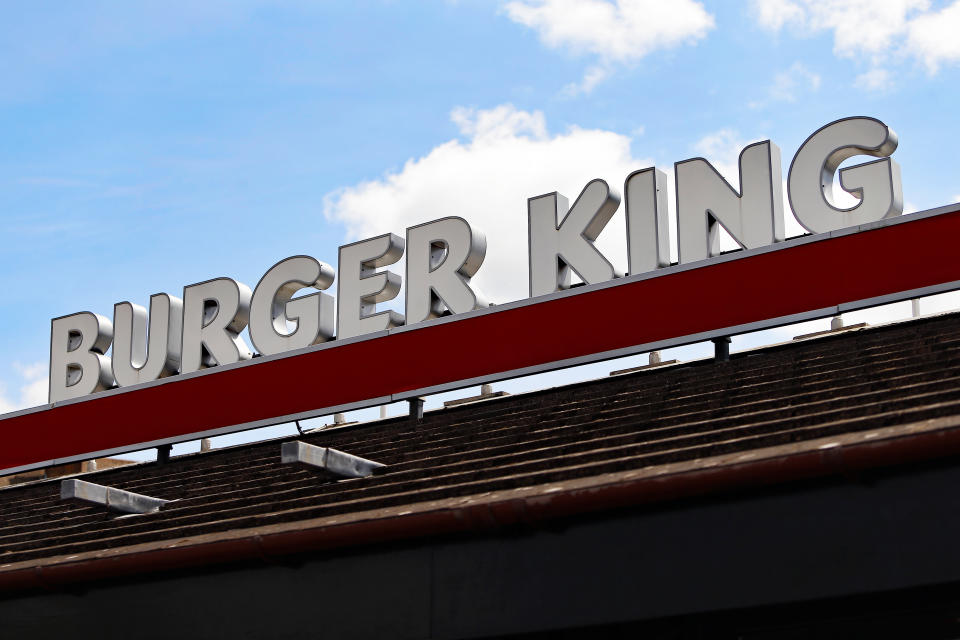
{"points": [[812, 408]]}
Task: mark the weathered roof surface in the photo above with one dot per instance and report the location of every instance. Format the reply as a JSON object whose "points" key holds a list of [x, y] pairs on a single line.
{"points": [[873, 396]]}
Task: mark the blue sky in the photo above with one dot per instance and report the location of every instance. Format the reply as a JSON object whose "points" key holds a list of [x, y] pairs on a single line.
{"points": [[151, 145]]}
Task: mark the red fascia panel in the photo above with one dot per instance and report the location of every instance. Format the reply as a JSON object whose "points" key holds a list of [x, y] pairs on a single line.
{"points": [[752, 288]]}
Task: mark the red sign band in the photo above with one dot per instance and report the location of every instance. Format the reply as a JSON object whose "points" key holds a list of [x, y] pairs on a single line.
{"points": [[804, 278]]}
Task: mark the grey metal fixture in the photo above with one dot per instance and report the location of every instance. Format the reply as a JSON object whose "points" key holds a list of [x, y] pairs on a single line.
{"points": [[721, 349], [836, 326], [335, 462], [115, 499], [486, 392], [416, 408], [653, 361]]}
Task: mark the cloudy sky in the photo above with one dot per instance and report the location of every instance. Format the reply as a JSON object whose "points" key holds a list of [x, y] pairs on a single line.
{"points": [[151, 145]]}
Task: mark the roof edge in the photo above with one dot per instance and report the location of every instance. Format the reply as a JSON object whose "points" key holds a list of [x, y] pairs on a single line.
{"points": [[270, 546]]}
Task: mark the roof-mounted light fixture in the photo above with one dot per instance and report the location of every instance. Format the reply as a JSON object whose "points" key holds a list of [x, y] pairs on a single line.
{"points": [[114, 499], [334, 462]]}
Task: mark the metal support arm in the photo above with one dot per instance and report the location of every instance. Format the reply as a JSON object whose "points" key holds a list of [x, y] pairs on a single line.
{"points": [[337, 463], [115, 499]]}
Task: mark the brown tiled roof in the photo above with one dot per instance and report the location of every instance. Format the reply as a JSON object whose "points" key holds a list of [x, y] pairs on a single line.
{"points": [[866, 397]]}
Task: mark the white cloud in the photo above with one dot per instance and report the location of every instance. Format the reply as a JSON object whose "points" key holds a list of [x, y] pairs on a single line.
{"points": [[789, 84], [872, 31], [500, 123], [507, 156], [932, 37], [773, 14], [621, 31], [32, 390], [594, 76], [858, 26], [874, 80]]}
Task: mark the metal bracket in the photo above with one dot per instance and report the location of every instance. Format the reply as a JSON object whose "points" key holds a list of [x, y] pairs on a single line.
{"points": [[332, 461], [721, 349], [115, 499], [416, 408], [486, 393]]}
